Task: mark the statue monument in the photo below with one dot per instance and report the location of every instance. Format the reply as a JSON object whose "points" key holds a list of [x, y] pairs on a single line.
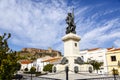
{"points": [[71, 25], [72, 58]]}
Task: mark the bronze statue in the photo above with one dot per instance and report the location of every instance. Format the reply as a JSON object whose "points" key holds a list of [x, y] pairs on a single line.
{"points": [[71, 25]]}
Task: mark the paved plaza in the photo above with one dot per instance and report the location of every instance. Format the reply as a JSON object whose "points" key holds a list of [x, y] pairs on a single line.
{"points": [[72, 76]]}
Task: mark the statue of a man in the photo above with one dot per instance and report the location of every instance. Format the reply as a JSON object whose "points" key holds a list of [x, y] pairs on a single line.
{"points": [[71, 25], [69, 19]]}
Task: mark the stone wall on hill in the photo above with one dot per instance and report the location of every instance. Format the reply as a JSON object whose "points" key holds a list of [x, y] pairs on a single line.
{"points": [[38, 53]]}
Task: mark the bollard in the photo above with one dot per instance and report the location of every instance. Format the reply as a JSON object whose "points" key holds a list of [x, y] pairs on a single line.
{"points": [[66, 70]]}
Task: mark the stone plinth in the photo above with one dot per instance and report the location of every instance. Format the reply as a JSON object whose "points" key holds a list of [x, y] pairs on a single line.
{"points": [[72, 57], [71, 44]]}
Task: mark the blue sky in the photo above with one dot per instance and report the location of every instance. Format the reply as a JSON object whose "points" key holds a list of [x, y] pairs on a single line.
{"points": [[41, 23]]}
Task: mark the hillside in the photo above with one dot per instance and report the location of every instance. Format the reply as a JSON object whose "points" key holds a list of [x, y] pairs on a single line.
{"points": [[34, 53]]}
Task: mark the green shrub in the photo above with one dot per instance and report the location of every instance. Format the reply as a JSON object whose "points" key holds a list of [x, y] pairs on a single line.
{"points": [[26, 69], [48, 67], [115, 72], [32, 70]]}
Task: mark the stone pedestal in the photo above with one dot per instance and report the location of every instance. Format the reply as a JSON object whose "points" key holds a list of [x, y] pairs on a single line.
{"points": [[71, 49], [71, 55], [71, 44]]}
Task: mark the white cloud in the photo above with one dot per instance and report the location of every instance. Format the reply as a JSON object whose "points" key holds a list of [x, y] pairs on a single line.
{"points": [[35, 25], [98, 36], [117, 42], [42, 24], [110, 11]]}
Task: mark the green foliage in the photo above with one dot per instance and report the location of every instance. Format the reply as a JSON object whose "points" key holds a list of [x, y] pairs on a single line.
{"points": [[115, 72], [26, 69], [48, 67], [96, 65], [8, 59], [32, 70], [33, 58], [37, 55], [18, 66], [36, 73]]}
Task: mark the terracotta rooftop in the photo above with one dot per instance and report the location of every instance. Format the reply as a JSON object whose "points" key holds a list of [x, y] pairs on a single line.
{"points": [[25, 62], [48, 60], [93, 49], [115, 49], [110, 48]]}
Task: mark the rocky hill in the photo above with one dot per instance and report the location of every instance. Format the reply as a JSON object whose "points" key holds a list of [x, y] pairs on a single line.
{"points": [[34, 53]]}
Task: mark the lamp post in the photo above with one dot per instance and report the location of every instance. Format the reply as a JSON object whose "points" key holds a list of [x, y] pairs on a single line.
{"points": [[31, 71], [66, 70], [114, 74]]}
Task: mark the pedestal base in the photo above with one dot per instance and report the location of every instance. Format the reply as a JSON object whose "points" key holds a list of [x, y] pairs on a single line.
{"points": [[84, 68]]}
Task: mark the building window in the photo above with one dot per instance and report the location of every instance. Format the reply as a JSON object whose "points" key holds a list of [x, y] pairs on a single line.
{"points": [[113, 58], [75, 44]]}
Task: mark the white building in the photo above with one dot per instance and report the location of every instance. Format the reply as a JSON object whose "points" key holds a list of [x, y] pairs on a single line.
{"points": [[97, 54], [38, 64], [26, 64]]}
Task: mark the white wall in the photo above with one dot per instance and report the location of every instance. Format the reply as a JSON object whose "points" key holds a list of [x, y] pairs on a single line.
{"points": [[23, 66], [38, 64], [98, 55]]}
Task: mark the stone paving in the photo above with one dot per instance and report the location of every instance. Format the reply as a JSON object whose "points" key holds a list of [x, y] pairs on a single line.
{"points": [[72, 76], [62, 76]]}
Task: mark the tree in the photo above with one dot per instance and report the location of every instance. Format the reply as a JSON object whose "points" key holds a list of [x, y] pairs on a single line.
{"points": [[48, 67], [8, 59], [96, 65], [32, 70], [115, 72], [18, 66]]}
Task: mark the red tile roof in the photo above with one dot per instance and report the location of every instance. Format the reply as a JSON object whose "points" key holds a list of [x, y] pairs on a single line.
{"points": [[109, 48], [25, 62], [48, 60], [93, 49], [116, 49]]}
